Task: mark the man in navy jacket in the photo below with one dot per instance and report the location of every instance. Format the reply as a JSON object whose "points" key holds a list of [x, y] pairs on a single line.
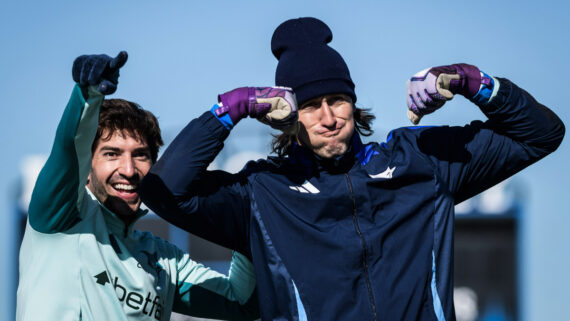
{"points": [[338, 229]]}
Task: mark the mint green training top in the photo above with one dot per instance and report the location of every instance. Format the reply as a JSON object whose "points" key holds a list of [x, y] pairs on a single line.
{"points": [[78, 261]]}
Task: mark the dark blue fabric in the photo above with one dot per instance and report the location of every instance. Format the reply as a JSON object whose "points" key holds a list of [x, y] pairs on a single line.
{"points": [[98, 70], [354, 246]]}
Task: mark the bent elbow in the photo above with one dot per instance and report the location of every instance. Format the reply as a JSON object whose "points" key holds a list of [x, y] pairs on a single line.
{"points": [[556, 135]]}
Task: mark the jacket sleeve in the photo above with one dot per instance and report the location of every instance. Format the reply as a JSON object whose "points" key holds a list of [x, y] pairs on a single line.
{"points": [[202, 292], [519, 132], [60, 186], [211, 204]]}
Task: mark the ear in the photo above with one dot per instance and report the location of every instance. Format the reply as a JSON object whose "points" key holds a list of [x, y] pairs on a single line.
{"points": [[88, 179]]}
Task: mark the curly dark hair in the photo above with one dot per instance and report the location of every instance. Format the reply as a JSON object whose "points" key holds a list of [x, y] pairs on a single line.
{"points": [[125, 116], [363, 118]]}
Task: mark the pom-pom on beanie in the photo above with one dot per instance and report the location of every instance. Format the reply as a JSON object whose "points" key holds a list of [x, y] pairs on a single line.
{"points": [[306, 62]]}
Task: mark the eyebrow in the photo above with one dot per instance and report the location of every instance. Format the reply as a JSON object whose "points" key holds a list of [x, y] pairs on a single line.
{"points": [[110, 148], [337, 96], [311, 102], [118, 150], [142, 149], [318, 100]]}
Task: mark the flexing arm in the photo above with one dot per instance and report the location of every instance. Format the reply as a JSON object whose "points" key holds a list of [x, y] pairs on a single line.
{"points": [[202, 292], [213, 204], [519, 132], [54, 206]]}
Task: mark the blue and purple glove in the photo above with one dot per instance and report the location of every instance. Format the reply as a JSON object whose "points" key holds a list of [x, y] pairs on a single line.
{"points": [[99, 70], [430, 88], [274, 106]]}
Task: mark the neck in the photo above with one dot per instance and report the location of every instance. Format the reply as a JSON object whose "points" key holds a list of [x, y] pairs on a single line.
{"points": [[121, 209], [127, 219]]}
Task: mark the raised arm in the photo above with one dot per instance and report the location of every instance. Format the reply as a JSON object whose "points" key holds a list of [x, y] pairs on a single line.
{"points": [[213, 204], [61, 183], [470, 159], [202, 292]]}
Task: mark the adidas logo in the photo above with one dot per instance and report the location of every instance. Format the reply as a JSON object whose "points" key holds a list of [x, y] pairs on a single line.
{"points": [[307, 187]]}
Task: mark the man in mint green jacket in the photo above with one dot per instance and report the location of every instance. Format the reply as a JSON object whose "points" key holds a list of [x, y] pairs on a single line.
{"points": [[80, 258]]}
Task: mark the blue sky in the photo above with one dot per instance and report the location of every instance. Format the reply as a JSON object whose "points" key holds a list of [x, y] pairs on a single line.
{"points": [[183, 53]]}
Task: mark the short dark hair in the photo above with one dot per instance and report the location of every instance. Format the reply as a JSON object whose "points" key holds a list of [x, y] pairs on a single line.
{"points": [[129, 118], [363, 118]]}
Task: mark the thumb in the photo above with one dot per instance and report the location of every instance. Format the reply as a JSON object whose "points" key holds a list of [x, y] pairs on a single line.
{"points": [[414, 118], [119, 61], [443, 84]]}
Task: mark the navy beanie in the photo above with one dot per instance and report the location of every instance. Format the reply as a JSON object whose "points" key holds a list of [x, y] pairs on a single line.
{"points": [[306, 63]]}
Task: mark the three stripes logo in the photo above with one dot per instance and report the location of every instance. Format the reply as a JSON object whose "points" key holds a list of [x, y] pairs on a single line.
{"points": [[307, 187]]}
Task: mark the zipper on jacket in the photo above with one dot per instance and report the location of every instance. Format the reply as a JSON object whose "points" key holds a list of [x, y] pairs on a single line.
{"points": [[364, 253]]}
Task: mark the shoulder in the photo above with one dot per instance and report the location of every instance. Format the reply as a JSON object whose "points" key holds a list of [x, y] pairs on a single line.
{"points": [[406, 135], [421, 135], [162, 245], [269, 164]]}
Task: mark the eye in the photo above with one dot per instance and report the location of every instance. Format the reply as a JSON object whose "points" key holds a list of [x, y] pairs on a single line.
{"points": [[143, 155], [309, 106], [110, 154], [336, 100]]}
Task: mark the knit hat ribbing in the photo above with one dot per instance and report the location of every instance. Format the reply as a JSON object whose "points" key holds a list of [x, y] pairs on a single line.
{"points": [[306, 63]]}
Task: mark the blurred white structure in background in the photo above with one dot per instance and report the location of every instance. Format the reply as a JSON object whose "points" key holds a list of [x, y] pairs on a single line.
{"points": [[465, 304]]}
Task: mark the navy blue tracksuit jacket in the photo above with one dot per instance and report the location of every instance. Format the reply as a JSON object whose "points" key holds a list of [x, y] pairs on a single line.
{"points": [[368, 236]]}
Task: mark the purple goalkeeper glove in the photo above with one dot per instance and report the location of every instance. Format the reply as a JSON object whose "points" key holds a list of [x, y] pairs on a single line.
{"points": [[275, 106], [430, 88]]}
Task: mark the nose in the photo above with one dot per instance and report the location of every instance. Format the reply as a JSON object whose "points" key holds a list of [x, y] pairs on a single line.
{"points": [[127, 166], [327, 115]]}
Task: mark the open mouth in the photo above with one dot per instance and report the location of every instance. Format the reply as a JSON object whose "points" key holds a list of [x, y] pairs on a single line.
{"points": [[126, 191]]}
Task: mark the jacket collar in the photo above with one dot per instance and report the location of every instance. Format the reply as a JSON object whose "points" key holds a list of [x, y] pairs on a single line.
{"points": [[114, 223]]}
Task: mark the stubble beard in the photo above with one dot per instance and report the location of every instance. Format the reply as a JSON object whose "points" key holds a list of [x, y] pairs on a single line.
{"points": [[115, 204]]}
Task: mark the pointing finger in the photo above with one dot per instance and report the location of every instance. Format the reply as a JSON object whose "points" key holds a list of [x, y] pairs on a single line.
{"points": [[119, 61]]}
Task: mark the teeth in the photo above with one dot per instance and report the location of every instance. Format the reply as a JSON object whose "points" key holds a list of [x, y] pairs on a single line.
{"points": [[125, 187]]}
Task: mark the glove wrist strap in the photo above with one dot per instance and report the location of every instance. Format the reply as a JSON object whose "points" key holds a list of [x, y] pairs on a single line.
{"points": [[485, 89]]}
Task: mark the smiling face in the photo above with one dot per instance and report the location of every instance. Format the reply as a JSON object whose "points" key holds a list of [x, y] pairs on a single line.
{"points": [[327, 125], [119, 163]]}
